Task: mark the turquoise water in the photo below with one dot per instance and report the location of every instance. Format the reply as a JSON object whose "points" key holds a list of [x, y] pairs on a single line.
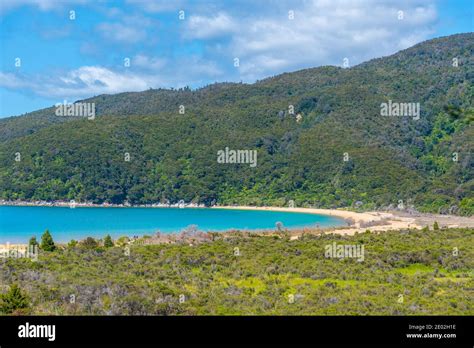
{"points": [[18, 224]]}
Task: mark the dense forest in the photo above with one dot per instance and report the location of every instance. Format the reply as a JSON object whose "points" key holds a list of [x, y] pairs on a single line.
{"points": [[319, 135], [407, 272]]}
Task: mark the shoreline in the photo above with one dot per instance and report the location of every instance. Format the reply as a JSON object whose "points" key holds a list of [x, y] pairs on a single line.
{"points": [[374, 221], [358, 217], [358, 222], [73, 204], [344, 214]]}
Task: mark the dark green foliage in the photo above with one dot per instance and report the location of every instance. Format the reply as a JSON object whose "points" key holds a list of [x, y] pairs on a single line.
{"points": [[108, 243], [33, 242], [13, 300], [47, 243], [173, 156], [89, 243]]}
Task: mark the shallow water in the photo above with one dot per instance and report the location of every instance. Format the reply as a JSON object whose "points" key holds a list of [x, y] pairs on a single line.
{"points": [[18, 224]]}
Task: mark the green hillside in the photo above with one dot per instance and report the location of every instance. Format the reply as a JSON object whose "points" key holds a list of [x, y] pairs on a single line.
{"points": [[173, 156]]}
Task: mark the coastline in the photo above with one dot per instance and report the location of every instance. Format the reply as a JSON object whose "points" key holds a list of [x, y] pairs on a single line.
{"points": [[344, 214], [364, 217], [73, 204], [373, 221], [358, 222]]}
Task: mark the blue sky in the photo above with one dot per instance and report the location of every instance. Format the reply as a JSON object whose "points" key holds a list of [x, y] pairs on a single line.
{"points": [[67, 58]]}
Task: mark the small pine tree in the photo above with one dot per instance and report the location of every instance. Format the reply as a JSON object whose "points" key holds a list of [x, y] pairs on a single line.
{"points": [[435, 226], [33, 242], [108, 243], [47, 243], [13, 300]]}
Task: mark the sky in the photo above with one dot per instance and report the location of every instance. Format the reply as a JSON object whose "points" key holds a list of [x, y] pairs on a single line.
{"points": [[57, 50]]}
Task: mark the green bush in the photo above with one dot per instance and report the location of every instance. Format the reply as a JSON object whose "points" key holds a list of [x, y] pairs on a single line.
{"points": [[13, 300]]}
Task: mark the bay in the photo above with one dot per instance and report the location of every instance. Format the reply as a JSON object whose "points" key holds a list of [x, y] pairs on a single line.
{"points": [[19, 223]]}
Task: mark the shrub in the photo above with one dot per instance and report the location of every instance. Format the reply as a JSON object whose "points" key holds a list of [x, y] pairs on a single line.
{"points": [[13, 300], [89, 243], [72, 244]]}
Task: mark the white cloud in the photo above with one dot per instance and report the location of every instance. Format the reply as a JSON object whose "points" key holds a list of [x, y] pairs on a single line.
{"points": [[322, 32], [157, 6], [96, 80], [148, 63], [264, 39], [13, 81], [131, 29], [85, 81], [121, 33], [145, 72], [43, 5], [200, 27]]}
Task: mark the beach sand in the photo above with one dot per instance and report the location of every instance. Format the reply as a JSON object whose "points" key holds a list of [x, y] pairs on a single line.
{"points": [[345, 214], [373, 221]]}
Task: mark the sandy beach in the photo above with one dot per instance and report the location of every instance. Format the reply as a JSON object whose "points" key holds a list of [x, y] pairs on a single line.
{"points": [[345, 214], [373, 221]]}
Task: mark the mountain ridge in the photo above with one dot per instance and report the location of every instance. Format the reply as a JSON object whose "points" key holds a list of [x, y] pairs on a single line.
{"points": [[389, 159]]}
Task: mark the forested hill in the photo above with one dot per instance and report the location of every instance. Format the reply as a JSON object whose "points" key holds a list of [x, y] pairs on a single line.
{"points": [[336, 150]]}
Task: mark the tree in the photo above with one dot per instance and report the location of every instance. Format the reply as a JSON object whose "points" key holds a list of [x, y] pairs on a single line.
{"points": [[47, 243], [89, 243], [72, 244], [108, 243], [33, 242], [13, 300]]}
